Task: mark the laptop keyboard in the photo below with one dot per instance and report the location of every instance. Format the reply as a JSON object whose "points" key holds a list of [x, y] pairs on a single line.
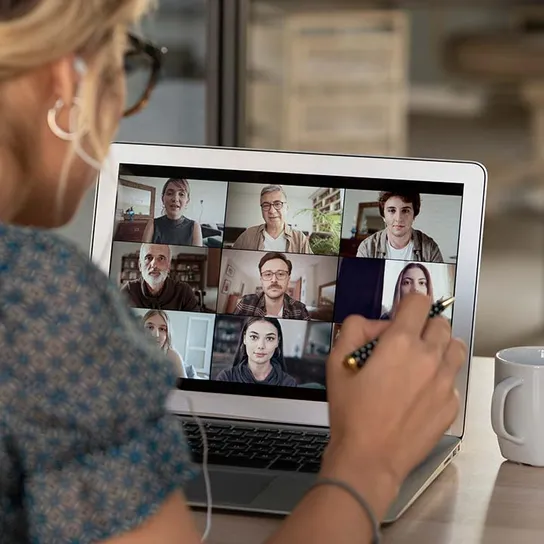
{"points": [[257, 447]]}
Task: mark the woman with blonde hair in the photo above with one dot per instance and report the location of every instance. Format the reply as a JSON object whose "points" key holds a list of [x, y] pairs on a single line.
{"points": [[157, 324], [88, 452]]}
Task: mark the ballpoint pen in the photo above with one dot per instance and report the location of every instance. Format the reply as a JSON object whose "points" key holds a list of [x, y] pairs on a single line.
{"points": [[357, 359]]}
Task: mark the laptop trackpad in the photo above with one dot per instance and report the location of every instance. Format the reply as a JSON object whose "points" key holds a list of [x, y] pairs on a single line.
{"points": [[284, 493], [229, 487]]}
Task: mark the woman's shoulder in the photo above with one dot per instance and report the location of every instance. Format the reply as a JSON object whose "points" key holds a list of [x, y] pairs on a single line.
{"points": [[44, 277], [21, 246], [288, 380], [47, 262], [225, 375], [175, 358], [65, 326], [84, 396]]}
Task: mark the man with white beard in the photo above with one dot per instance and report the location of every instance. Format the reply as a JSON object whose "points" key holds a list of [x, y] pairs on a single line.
{"points": [[155, 289]]}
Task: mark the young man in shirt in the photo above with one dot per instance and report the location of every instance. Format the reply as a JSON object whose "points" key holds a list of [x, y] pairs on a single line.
{"points": [[399, 240], [275, 234], [275, 271]]}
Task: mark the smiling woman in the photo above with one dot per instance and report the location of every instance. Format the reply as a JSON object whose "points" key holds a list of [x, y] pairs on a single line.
{"points": [[173, 227]]}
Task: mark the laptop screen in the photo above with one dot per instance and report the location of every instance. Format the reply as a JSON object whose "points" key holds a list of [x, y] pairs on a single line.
{"points": [[243, 279]]}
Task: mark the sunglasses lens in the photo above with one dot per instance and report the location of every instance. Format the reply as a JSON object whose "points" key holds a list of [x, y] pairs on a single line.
{"points": [[138, 70]]}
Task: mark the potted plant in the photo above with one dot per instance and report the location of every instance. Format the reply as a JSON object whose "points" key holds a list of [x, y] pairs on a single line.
{"points": [[326, 239]]}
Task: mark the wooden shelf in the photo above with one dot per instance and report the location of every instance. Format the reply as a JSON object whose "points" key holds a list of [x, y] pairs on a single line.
{"points": [[188, 268], [332, 80], [326, 201]]}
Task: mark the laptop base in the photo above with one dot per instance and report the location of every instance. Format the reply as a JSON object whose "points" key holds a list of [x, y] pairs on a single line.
{"points": [[268, 492]]}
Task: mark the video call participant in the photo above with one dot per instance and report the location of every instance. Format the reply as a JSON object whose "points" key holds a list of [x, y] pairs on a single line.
{"points": [[399, 240], [155, 289], [259, 356], [275, 234], [275, 272], [157, 324], [414, 278], [173, 227]]}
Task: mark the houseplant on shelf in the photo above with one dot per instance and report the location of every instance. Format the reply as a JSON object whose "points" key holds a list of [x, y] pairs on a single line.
{"points": [[325, 240]]}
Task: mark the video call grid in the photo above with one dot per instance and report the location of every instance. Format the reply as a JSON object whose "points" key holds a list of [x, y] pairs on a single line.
{"points": [[356, 273], [345, 196], [375, 312], [223, 250]]}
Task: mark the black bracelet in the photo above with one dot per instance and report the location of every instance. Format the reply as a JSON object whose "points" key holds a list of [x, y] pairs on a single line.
{"points": [[376, 535]]}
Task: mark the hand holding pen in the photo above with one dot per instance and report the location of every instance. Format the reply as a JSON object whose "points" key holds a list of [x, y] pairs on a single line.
{"points": [[357, 359], [386, 419]]}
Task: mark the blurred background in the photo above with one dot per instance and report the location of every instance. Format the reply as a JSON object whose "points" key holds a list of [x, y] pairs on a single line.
{"points": [[412, 78]]}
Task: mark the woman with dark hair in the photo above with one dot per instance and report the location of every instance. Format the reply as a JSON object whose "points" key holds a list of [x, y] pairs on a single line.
{"points": [[259, 356], [414, 278], [173, 227]]}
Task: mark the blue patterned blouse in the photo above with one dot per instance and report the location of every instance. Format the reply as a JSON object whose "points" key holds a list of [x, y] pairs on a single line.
{"points": [[87, 450]]}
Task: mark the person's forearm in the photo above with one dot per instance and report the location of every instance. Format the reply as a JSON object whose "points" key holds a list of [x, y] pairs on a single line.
{"points": [[330, 514]]}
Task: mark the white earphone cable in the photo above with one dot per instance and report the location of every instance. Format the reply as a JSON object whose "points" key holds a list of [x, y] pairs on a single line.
{"points": [[205, 471]]}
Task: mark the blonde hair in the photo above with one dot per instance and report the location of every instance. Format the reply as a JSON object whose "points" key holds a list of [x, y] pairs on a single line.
{"points": [[34, 33], [162, 314]]}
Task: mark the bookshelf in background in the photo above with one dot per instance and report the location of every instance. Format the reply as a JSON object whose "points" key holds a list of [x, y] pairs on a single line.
{"points": [[185, 267], [227, 334], [326, 201]]}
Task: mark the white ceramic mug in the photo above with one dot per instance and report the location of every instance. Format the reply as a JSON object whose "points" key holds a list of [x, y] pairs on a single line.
{"points": [[517, 408]]}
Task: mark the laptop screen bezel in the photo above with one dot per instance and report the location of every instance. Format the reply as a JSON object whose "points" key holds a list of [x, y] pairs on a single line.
{"points": [[285, 410]]}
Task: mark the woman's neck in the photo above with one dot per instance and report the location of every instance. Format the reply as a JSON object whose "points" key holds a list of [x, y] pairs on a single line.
{"points": [[260, 371], [176, 220], [8, 189]]}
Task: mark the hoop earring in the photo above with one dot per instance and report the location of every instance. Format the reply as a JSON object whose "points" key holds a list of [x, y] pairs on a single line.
{"points": [[85, 157], [72, 135], [52, 115]]}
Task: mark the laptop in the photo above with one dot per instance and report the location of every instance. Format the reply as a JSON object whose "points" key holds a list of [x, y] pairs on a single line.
{"points": [[243, 264]]}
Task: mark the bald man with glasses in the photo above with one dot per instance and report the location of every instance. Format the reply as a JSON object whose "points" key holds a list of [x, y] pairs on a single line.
{"points": [[275, 234]]}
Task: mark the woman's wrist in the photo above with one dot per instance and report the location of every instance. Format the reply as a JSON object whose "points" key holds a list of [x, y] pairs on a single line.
{"points": [[373, 479]]}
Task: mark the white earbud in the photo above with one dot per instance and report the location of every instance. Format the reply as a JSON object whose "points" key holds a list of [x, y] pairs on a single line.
{"points": [[81, 68]]}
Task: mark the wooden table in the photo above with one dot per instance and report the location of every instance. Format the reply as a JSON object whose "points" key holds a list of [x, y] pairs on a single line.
{"points": [[480, 498]]}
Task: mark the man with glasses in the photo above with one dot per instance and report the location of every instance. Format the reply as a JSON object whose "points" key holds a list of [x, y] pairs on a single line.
{"points": [[275, 234], [275, 272]]}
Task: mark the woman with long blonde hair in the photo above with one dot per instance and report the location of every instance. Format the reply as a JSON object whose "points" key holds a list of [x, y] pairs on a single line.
{"points": [[157, 324], [88, 452]]}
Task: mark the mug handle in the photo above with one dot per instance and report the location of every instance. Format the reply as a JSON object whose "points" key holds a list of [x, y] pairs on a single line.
{"points": [[497, 408]]}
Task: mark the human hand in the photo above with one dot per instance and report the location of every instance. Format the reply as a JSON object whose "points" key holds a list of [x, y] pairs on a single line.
{"points": [[386, 417]]}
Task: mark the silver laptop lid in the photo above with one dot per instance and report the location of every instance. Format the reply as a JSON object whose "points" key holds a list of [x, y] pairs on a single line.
{"points": [[215, 271]]}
